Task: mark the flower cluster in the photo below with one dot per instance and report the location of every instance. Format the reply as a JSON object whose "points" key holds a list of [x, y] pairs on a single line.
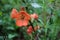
{"points": [[22, 19]]}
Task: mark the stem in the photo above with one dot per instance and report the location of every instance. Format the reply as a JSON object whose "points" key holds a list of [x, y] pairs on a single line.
{"points": [[37, 36], [31, 36], [20, 34], [32, 25]]}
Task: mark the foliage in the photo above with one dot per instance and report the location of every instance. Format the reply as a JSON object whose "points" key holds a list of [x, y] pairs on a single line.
{"points": [[49, 19]]}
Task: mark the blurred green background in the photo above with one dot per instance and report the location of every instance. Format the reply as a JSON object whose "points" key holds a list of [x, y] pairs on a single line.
{"points": [[49, 17]]}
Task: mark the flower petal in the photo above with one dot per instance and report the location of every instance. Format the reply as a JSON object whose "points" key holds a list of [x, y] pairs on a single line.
{"points": [[25, 22], [29, 30], [14, 14], [27, 16], [19, 23], [35, 16]]}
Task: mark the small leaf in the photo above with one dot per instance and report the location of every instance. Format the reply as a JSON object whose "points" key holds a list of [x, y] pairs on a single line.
{"points": [[11, 35], [10, 28], [0, 13]]}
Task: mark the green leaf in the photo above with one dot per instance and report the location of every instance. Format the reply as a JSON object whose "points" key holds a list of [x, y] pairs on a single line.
{"points": [[50, 0], [0, 13], [11, 35]]}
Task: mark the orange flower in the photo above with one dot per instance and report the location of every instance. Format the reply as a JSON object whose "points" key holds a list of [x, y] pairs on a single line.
{"points": [[14, 14], [35, 16], [23, 20], [29, 30], [22, 17], [36, 28]]}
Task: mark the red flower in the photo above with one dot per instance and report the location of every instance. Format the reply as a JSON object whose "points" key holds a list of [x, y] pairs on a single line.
{"points": [[35, 16], [14, 14], [29, 30], [23, 20]]}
